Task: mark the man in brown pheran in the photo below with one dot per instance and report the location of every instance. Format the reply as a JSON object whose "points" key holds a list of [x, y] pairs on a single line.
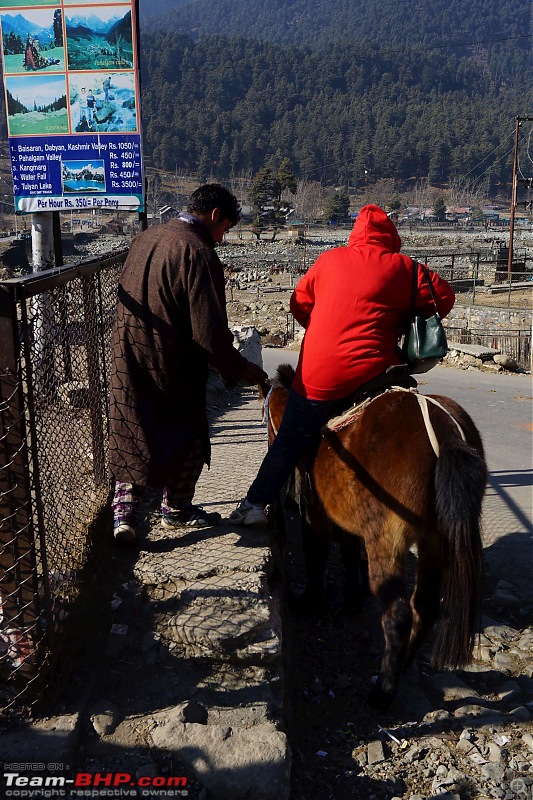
{"points": [[170, 324]]}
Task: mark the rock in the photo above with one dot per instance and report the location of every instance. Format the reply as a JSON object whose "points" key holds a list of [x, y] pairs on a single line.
{"points": [[505, 361], [499, 633], [510, 691], [507, 599], [494, 752], [504, 662], [526, 641], [375, 752], [149, 770], [230, 764], [192, 711], [472, 711], [239, 628], [415, 753], [492, 772], [447, 777], [519, 714], [525, 683], [464, 746], [450, 687], [439, 715], [248, 342], [105, 717]]}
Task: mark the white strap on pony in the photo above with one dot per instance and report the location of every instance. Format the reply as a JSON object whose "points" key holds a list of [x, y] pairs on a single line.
{"points": [[423, 403], [267, 418]]}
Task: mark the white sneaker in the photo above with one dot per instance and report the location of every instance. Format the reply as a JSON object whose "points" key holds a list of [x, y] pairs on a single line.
{"points": [[248, 513]]}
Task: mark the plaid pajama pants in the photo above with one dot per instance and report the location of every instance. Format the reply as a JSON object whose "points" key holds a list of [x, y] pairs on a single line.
{"points": [[177, 494]]}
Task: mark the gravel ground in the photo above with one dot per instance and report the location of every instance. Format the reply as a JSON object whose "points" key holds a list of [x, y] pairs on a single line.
{"points": [[456, 735]]}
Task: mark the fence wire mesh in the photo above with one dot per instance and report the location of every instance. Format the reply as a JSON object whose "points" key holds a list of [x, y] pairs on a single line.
{"points": [[482, 278], [514, 343], [53, 456]]}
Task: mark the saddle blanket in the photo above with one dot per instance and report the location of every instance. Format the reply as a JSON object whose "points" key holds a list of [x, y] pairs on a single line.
{"points": [[351, 414]]}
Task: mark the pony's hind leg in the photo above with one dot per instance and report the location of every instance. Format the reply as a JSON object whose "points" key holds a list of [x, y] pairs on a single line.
{"points": [[355, 568], [425, 601], [386, 565]]}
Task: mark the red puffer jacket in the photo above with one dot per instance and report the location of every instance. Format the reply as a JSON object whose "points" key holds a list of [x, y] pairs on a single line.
{"points": [[354, 302]]}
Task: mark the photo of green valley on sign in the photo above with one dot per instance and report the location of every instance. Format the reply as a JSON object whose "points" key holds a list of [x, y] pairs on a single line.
{"points": [[99, 38]]}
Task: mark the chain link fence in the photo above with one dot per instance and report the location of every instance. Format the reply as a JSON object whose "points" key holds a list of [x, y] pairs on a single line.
{"points": [[54, 364]]}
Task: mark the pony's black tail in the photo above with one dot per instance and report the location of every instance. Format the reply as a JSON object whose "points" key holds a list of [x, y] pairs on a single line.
{"points": [[460, 480]]}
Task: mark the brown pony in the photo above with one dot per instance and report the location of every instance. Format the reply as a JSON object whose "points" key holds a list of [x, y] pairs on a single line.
{"points": [[380, 481]]}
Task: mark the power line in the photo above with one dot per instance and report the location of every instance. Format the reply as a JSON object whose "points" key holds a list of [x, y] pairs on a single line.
{"points": [[488, 156], [480, 41], [495, 162], [445, 46]]}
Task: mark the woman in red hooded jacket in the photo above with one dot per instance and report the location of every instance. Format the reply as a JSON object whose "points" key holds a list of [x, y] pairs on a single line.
{"points": [[353, 303]]}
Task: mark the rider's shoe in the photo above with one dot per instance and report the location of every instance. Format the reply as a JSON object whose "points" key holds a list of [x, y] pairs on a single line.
{"points": [[248, 513]]}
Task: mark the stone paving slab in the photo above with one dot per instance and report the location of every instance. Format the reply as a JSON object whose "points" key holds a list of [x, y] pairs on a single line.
{"points": [[476, 350], [213, 605]]}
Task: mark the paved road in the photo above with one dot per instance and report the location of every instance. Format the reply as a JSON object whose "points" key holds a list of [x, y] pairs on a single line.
{"points": [[501, 406]]}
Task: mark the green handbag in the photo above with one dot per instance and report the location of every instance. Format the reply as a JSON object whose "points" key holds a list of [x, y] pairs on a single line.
{"points": [[425, 339]]}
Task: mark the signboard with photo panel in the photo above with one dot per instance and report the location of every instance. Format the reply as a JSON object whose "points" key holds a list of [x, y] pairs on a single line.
{"points": [[72, 98]]}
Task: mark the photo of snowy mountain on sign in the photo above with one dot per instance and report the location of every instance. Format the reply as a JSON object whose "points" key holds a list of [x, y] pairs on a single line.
{"points": [[83, 176], [33, 41], [102, 102], [99, 39]]}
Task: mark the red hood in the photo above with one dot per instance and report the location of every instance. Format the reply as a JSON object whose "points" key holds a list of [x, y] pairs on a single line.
{"points": [[373, 226]]}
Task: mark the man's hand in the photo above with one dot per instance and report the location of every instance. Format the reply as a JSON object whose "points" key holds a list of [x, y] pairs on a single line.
{"points": [[254, 375]]}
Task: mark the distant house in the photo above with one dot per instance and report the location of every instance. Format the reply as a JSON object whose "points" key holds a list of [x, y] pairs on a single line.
{"points": [[458, 212], [489, 215], [163, 214], [418, 214], [114, 226], [295, 230]]}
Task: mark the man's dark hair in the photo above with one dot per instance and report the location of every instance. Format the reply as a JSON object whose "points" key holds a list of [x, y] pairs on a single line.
{"points": [[213, 195]]}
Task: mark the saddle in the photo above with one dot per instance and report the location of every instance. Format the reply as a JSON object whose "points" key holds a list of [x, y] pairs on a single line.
{"points": [[396, 375]]}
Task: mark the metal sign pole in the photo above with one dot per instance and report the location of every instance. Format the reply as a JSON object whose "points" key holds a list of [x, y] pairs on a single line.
{"points": [[42, 241], [42, 312]]}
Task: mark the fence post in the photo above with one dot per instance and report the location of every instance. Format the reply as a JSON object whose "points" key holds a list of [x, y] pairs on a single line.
{"points": [[96, 410], [476, 275], [19, 613]]}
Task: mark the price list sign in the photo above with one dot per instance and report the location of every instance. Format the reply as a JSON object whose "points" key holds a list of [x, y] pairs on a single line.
{"points": [[72, 98]]}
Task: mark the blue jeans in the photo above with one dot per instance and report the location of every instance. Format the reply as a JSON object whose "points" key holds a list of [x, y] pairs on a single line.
{"points": [[298, 433]]}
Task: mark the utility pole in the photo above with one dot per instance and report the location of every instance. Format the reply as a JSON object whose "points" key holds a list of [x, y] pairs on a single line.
{"points": [[518, 121]]}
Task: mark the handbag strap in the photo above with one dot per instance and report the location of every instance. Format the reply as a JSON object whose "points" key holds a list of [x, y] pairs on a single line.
{"points": [[414, 287]]}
